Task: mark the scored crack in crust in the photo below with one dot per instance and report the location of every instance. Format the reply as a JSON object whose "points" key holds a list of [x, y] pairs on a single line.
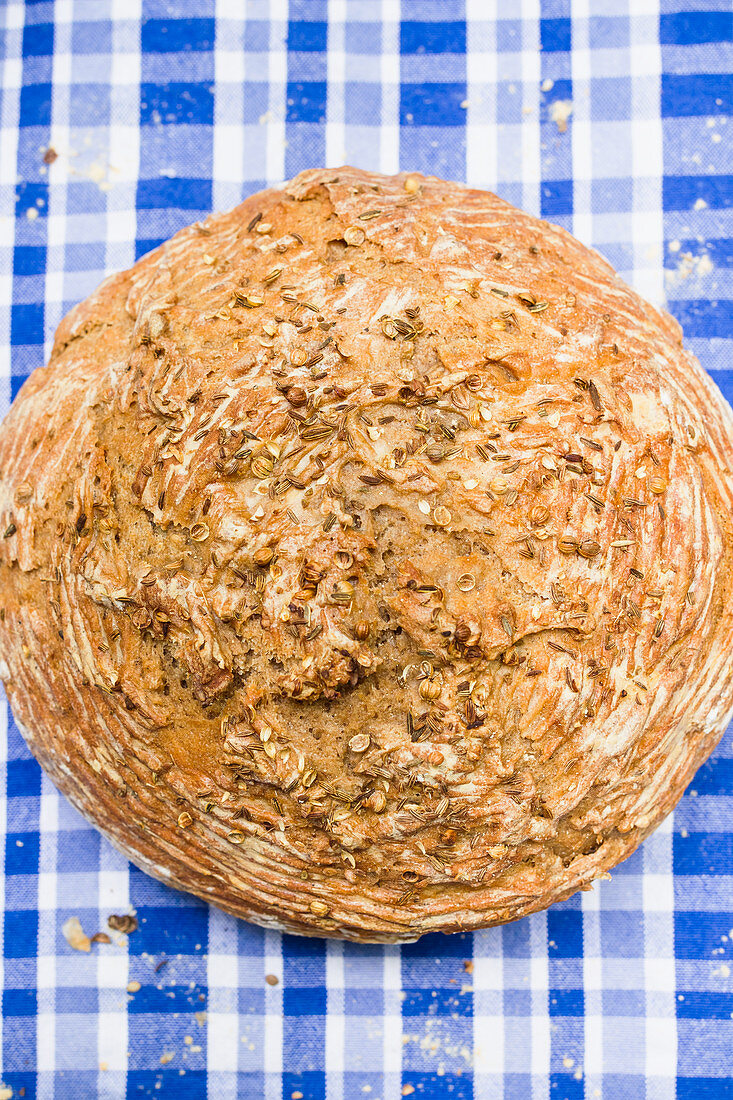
{"points": [[367, 560]]}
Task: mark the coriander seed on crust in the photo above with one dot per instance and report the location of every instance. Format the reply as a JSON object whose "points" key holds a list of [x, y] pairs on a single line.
{"points": [[367, 560]]}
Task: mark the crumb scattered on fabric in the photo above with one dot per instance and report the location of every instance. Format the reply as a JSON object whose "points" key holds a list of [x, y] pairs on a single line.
{"points": [[75, 936], [96, 172], [688, 265], [560, 112]]}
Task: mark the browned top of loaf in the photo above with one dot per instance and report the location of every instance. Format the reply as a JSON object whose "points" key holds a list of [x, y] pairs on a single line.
{"points": [[367, 559]]}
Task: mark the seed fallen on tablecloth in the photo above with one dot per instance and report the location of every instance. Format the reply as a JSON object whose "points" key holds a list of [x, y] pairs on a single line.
{"points": [[126, 923]]}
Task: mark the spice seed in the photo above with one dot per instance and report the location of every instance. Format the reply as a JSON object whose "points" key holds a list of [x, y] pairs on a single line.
{"points": [[507, 626], [589, 548], [430, 688], [354, 236], [377, 801], [360, 742], [262, 467]]}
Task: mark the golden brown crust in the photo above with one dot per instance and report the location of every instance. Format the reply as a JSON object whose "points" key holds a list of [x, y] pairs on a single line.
{"points": [[367, 560]]}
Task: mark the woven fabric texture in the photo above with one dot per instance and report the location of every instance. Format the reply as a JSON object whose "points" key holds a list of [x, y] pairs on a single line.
{"points": [[122, 121]]}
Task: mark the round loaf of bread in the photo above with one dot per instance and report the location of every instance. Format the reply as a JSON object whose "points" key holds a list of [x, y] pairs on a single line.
{"points": [[367, 555]]}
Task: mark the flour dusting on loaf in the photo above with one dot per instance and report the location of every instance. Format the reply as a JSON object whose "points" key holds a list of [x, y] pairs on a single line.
{"points": [[367, 556]]}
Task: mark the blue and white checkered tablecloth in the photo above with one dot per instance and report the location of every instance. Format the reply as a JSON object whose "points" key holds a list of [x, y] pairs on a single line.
{"points": [[607, 116]]}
